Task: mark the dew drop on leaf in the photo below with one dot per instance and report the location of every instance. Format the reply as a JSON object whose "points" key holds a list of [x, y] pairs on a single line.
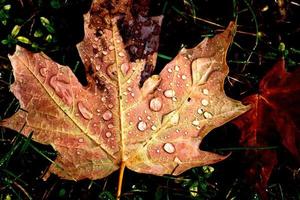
{"points": [[200, 111], [111, 48], [43, 71], [80, 140], [154, 128], [169, 93], [175, 119], [169, 147], [121, 54], [205, 91], [177, 160], [155, 104], [107, 115], [61, 88], [110, 126], [204, 102], [208, 115], [108, 134], [142, 126], [84, 111], [124, 68], [196, 122]]}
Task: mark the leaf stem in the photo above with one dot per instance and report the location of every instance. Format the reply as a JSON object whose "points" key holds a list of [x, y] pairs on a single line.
{"points": [[121, 175]]}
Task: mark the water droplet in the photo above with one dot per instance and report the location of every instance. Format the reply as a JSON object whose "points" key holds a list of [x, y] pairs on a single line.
{"points": [[142, 126], [84, 111], [205, 91], [110, 105], [104, 53], [155, 104], [124, 68], [183, 77], [43, 71], [110, 126], [107, 115], [62, 88], [108, 134], [200, 111], [196, 122], [148, 117], [169, 93], [80, 140], [175, 119], [121, 54], [177, 160], [129, 89], [208, 115], [170, 70], [132, 94], [154, 128], [176, 68], [103, 99], [111, 48], [169, 147], [204, 102]]}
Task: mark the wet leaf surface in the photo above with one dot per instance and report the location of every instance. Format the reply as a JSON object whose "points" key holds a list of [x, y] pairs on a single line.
{"points": [[151, 124]]}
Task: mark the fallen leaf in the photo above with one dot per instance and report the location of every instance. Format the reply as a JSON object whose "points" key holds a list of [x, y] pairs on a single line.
{"points": [[153, 126], [274, 115]]}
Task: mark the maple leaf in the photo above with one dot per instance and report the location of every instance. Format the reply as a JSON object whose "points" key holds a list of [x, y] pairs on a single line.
{"points": [[275, 111], [152, 126]]}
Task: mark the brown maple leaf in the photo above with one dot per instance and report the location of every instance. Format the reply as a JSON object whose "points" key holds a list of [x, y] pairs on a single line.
{"points": [[275, 112], [153, 128]]}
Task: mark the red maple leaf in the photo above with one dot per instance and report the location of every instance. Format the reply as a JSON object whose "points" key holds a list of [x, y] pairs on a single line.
{"points": [[274, 115]]}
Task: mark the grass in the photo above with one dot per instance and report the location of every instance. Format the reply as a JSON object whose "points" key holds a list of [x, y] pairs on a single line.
{"points": [[264, 34]]}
